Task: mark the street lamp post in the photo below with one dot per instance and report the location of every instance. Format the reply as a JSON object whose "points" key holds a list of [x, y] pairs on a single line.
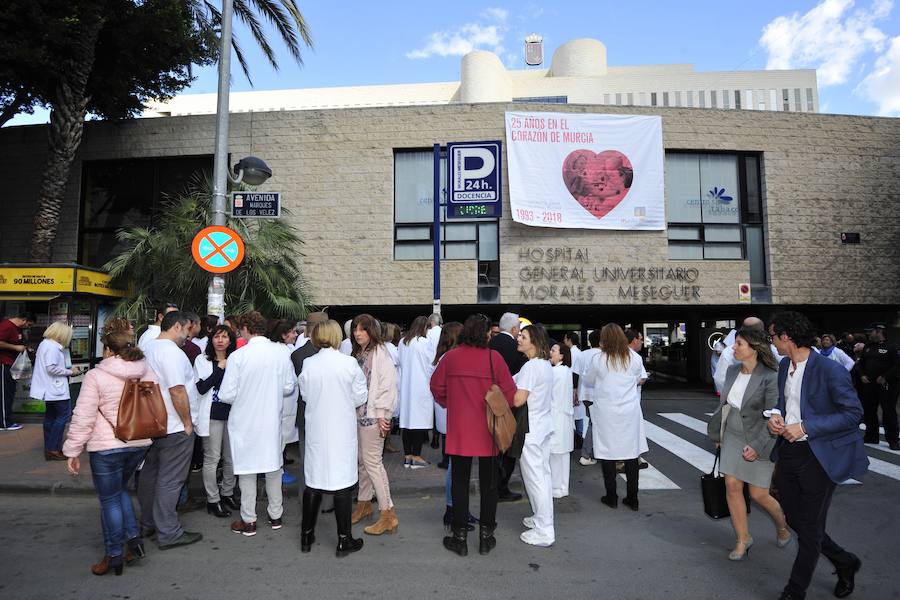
{"points": [[215, 297]]}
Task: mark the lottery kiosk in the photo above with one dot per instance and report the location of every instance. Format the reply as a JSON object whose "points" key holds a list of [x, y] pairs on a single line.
{"points": [[81, 296]]}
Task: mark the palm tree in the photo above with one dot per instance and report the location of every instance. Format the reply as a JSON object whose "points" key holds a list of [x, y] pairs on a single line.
{"points": [[69, 107], [157, 265]]}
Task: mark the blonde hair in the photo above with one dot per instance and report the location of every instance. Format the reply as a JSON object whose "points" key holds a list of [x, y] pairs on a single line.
{"points": [[326, 334], [59, 332]]}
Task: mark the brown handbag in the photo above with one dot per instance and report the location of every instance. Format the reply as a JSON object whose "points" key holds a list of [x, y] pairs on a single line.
{"points": [[500, 420], [142, 412]]}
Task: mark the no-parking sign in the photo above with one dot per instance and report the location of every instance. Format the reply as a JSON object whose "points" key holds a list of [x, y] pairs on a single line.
{"points": [[218, 249]]}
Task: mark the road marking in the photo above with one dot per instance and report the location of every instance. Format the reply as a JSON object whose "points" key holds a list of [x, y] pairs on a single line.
{"points": [[697, 457], [700, 427], [652, 479]]}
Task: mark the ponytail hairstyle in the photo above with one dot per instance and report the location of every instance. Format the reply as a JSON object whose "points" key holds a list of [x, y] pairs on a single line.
{"points": [[121, 344]]}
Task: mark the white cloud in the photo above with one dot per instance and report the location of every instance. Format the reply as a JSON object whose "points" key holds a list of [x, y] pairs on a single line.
{"points": [[488, 34], [831, 38], [882, 85]]}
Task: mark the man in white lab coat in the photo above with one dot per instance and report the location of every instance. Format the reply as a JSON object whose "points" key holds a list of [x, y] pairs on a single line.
{"points": [[258, 381], [153, 330]]}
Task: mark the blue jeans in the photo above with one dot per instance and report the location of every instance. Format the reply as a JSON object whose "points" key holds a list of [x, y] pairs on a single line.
{"points": [[56, 415], [111, 472]]}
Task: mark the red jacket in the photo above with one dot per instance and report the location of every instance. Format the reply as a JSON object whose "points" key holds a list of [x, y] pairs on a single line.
{"points": [[459, 383]]}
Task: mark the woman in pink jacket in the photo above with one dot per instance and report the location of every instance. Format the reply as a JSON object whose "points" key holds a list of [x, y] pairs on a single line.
{"points": [[374, 424], [113, 462]]}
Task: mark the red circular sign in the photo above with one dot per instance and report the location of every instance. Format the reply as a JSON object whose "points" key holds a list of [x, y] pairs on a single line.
{"points": [[218, 249]]}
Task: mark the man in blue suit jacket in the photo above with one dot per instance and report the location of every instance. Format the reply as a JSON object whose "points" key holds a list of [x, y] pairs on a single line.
{"points": [[820, 445]]}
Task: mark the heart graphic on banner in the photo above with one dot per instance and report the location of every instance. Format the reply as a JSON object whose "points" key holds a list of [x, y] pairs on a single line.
{"points": [[598, 181]]}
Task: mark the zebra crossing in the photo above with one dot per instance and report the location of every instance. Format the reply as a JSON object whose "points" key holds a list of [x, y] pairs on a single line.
{"points": [[693, 454]]}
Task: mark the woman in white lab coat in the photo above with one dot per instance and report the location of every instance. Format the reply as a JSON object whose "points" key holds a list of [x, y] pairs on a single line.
{"points": [[535, 386], [50, 383], [284, 335], [416, 403], [258, 382], [332, 385], [563, 441], [616, 413]]}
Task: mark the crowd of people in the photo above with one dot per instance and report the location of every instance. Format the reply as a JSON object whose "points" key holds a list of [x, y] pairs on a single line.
{"points": [[249, 386]]}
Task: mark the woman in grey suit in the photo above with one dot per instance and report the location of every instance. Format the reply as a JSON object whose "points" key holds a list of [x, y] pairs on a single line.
{"points": [[739, 429]]}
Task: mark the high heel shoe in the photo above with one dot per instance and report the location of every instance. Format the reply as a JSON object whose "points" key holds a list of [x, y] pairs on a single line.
{"points": [[782, 543], [735, 555], [109, 562]]}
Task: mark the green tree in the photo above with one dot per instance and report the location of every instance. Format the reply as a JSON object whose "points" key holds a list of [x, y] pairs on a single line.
{"points": [[158, 263], [107, 57]]}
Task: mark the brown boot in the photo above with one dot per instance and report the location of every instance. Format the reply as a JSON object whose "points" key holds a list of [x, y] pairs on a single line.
{"points": [[363, 510], [386, 523]]}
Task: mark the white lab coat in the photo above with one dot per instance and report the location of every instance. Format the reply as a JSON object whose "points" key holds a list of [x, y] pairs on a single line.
{"points": [[563, 440], [258, 383], [579, 410], [841, 358], [616, 411], [416, 401], [289, 431], [203, 369], [333, 385], [346, 347], [50, 378], [148, 336]]}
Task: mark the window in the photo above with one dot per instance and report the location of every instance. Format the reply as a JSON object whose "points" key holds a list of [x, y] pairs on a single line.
{"points": [[785, 100], [737, 99], [543, 100], [809, 100], [665, 98], [128, 193], [714, 209], [652, 98], [461, 239]]}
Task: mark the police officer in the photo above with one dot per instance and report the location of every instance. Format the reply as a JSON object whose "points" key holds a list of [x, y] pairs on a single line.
{"points": [[878, 369]]}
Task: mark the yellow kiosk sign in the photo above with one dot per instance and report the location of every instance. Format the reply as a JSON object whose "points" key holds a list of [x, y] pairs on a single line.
{"points": [[50, 279]]}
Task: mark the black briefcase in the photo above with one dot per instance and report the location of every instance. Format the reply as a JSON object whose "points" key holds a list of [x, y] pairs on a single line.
{"points": [[712, 487]]}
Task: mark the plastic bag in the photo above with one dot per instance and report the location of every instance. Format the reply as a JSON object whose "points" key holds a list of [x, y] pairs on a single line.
{"points": [[21, 368]]}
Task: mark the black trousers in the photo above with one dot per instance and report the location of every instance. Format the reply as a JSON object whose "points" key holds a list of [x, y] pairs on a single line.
{"points": [[874, 396], [631, 477], [505, 467], [460, 472], [804, 491], [7, 393], [413, 440], [343, 503]]}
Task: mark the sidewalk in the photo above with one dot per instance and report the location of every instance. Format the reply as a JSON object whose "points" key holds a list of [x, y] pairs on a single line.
{"points": [[24, 470]]}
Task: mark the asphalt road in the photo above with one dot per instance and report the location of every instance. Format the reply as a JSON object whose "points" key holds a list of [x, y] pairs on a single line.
{"points": [[668, 550]]}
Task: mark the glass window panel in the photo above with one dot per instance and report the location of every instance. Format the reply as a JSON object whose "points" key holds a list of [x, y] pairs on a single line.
{"points": [[703, 98], [630, 99], [652, 98], [460, 251], [685, 251], [690, 98], [756, 254], [722, 251], [424, 251], [773, 99], [97, 247], [737, 99], [754, 198], [719, 188], [414, 233], [665, 98], [605, 98], [459, 231], [726, 99], [798, 105], [488, 241], [414, 186], [618, 99], [118, 193], [684, 233], [809, 100], [722, 233], [683, 188]]}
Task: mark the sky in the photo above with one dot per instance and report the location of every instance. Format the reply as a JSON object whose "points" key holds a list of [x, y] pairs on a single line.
{"points": [[853, 45]]}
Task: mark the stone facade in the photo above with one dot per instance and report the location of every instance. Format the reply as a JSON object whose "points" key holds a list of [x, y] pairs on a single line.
{"points": [[822, 175]]}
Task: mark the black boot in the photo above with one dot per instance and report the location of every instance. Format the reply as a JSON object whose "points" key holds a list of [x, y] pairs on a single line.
{"points": [[229, 503], [457, 542], [486, 539], [311, 502], [216, 509], [347, 544]]}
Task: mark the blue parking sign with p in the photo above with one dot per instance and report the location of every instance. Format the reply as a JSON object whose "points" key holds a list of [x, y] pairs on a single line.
{"points": [[474, 173]]}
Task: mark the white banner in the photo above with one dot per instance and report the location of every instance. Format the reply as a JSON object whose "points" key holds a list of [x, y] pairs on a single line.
{"points": [[586, 171]]}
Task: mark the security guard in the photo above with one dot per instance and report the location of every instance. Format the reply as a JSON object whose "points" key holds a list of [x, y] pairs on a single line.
{"points": [[878, 370]]}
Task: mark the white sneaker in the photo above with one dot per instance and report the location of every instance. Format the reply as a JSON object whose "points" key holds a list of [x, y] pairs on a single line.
{"points": [[12, 427], [584, 461], [559, 494], [528, 522], [535, 539]]}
